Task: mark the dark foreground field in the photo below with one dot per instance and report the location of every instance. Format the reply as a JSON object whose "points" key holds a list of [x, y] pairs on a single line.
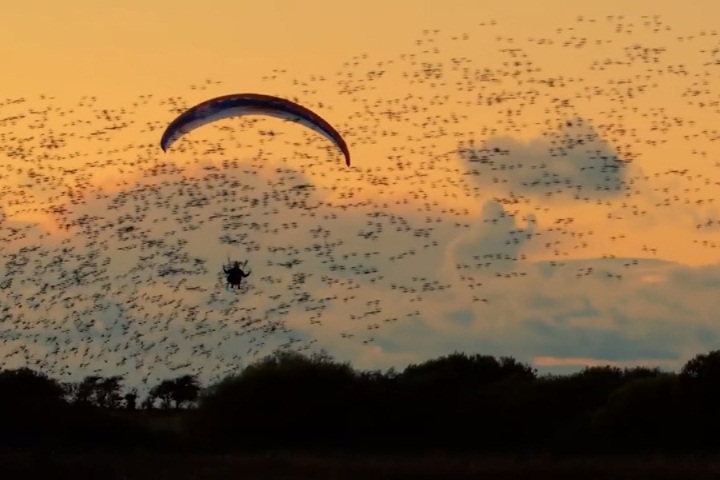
{"points": [[138, 466]]}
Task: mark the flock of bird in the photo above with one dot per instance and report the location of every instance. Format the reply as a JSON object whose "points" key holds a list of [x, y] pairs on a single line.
{"points": [[112, 252]]}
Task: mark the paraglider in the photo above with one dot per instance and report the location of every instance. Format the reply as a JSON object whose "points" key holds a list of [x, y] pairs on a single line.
{"points": [[235, 275], [250, 104]]}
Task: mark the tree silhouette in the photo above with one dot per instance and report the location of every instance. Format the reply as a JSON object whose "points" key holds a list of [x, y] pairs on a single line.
{"points": [[702, 374], [164, 392], [284, 398], [109, 395], [26, 388], [459, 370], [700, 380], [185, 391], [637, 373], [31, 405], [149, 402], [289, 400], [180, 391], [645, 414], [131, 399], [97, 391]]}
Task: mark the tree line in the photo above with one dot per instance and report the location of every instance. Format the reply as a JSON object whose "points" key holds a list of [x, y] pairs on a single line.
{"points": [[457, 402]]}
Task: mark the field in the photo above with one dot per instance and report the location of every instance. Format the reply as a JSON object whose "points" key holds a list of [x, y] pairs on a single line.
{"points": [[141, 466]]}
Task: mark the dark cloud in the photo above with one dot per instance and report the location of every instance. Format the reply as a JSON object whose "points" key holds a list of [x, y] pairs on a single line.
{"points": [[428, 338], [703, 277], [551, 339], [574, 164], [495, 243], [461, 318]]}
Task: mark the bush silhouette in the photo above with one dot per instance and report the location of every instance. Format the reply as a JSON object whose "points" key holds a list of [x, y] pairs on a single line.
{"points": [[286, 398], [457, 402], [646, 414]]}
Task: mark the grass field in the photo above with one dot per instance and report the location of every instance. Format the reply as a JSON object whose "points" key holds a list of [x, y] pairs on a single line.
{"points": [[139, 466]]}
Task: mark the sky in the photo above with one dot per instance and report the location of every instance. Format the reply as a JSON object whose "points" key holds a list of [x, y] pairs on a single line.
{"points": [[529, 179]]}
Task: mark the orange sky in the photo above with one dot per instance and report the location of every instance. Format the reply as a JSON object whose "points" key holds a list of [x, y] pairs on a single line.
{"points": [[135, 46], [121, 50], [116, 53]]}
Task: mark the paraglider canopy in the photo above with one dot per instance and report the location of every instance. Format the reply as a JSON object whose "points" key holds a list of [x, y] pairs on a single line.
{"points": [[250, 104]]}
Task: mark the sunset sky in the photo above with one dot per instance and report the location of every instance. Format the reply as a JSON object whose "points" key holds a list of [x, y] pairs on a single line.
{"points": [[503, 153]]}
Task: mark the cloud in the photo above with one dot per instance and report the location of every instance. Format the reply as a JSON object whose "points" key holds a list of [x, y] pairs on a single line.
{"points": [[137, 277], [493, 244], [574, 163]]}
